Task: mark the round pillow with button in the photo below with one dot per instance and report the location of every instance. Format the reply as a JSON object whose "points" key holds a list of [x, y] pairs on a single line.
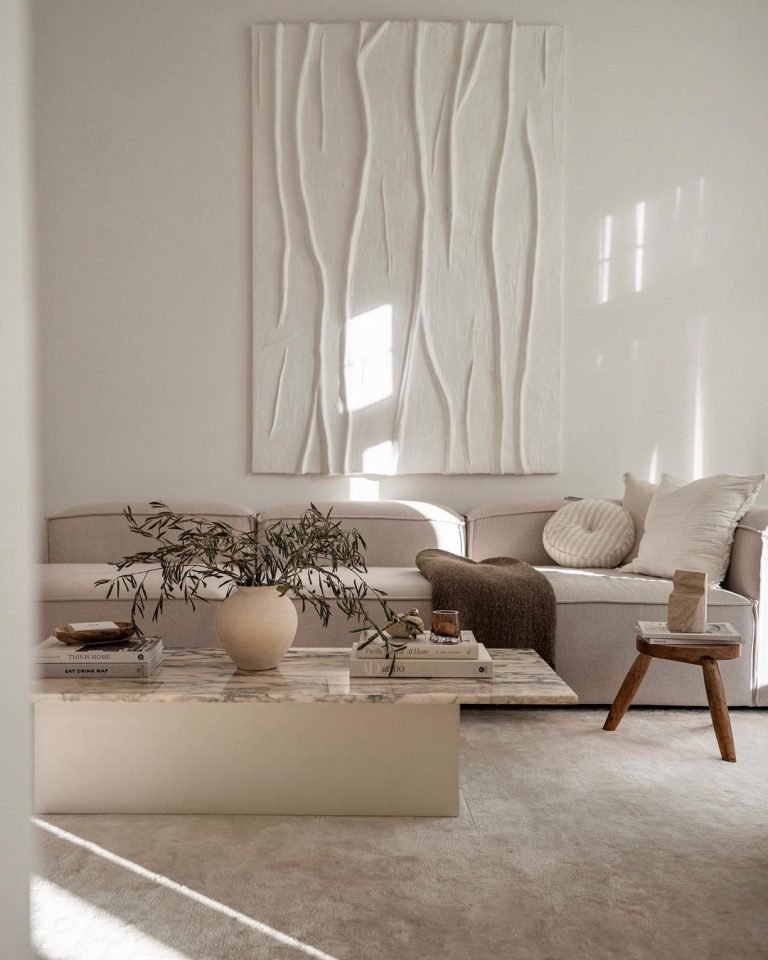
{"points": [[589, 533]]}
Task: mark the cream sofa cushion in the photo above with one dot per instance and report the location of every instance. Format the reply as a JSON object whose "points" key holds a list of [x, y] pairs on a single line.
{"points": [[691, 527], [597, 611], [394, 530], [637, 498], [589, 533], [510, 530], [98, 532]]}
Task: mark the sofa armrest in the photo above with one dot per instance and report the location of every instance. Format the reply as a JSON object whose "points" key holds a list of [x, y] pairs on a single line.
{"points": [[748, 570]]}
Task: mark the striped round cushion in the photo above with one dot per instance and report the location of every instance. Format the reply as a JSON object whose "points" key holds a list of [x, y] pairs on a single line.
{"points": [[589, 533]]}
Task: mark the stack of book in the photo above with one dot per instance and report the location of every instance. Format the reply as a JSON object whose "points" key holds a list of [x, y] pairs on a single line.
{"points": [[715, 633], [138, 657], [423, 659]]}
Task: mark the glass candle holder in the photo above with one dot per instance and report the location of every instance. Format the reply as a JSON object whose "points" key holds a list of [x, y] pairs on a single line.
{"points": [[446, 627]]}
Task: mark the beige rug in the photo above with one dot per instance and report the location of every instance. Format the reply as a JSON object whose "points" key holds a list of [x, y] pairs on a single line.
{"points": [[572, 843]]}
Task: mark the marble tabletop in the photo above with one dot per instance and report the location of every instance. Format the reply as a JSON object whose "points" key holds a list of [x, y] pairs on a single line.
{"points": [[314, 675]]}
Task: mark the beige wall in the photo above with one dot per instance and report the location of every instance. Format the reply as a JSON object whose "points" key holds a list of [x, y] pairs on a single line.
{"points": [[143, 163], [16, 485]]}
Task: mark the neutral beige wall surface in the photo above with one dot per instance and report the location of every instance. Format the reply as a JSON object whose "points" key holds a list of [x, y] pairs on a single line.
{"points": [[16, 485], [143, 170]]}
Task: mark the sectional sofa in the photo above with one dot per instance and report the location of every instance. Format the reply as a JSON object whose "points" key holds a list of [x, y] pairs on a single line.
{"points": [[596, 609]]}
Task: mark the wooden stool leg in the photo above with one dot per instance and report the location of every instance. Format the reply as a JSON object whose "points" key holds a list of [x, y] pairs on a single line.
{"points": [[627, 691], [718, 708]]}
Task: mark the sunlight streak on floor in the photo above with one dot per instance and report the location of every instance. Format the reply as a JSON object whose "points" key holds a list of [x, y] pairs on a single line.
{"points": [[221, 908], [66, 927]]}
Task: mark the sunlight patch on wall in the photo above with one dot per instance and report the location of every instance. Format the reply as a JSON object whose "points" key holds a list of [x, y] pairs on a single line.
{"points": [[697, 453], [380, 458], [604, 259], [368, 358], [653, 468], [363, 488], [639, 244]]}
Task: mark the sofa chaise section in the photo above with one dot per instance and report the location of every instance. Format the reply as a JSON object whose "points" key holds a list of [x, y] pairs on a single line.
{"points": [[597, 611]]}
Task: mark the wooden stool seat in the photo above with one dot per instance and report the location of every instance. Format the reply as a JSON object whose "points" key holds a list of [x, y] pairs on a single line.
{"points": [[703, 655]]}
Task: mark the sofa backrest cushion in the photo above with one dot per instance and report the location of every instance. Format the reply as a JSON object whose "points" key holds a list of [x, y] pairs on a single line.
{"points": [[394, 530], [510, 530], [98, 532]]}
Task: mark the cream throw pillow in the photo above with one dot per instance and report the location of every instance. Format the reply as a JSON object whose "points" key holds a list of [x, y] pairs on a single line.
{"points": [[691, 527], [637, 498], [589, 533]]}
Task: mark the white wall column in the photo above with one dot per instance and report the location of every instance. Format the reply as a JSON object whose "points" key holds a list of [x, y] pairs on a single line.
{"points": [[16, 484]]}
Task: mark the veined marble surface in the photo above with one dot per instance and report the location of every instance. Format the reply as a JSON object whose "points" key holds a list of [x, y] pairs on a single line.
{"points": [[314, 675]]}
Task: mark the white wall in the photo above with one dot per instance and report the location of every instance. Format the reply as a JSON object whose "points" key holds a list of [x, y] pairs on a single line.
{"points": [[143, 161], [16, 486]]}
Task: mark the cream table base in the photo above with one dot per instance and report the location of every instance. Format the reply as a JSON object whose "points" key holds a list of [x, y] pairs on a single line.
{"points": [[201, 737], [366, 759]]}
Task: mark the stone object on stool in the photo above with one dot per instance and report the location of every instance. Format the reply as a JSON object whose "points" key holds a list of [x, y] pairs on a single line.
{"points": [[687, 607]]}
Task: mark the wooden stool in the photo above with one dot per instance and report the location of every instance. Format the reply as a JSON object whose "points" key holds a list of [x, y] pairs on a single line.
{"points": [[706, 656]]}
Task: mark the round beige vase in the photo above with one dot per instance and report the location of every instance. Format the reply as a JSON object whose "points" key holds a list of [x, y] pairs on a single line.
{"points": [[256, 626]]}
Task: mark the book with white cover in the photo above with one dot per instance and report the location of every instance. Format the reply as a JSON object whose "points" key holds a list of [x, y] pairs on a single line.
{"points": [[421, 648], [370, 667], [658, 632], [95, 626], [128, 651], [98, 671]]}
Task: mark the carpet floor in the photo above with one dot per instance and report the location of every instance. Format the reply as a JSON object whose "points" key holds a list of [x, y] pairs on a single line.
{"points": [[571, 843]]}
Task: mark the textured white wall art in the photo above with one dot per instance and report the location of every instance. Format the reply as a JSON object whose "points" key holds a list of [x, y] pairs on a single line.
{"points": [[407, 247]]}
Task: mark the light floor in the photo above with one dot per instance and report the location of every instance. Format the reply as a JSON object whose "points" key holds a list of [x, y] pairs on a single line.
{"points": [[572, 843]]}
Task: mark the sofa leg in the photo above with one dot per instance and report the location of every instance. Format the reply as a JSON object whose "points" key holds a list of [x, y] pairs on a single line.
{"points": [[627, 691]]}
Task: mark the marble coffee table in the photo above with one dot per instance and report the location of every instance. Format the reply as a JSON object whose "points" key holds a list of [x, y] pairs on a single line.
{"points": [[199, 737]]}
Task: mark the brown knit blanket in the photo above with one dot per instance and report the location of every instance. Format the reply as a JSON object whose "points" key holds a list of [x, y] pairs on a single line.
{"points": [[505, 602]]}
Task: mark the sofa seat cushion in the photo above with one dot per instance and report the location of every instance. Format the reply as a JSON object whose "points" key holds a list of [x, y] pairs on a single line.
{"points": [[597, 611], [76, 581], [398, 583], [576, 585], [68, 595]]}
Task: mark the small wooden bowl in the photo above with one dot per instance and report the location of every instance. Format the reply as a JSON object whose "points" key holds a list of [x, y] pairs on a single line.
{"points": [[126, 629]]}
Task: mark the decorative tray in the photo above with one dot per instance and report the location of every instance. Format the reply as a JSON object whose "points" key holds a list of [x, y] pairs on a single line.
{"points": [[125, 629]]}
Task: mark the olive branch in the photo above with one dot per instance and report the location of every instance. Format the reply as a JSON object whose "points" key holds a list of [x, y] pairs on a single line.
{"points": [[302, 558]]}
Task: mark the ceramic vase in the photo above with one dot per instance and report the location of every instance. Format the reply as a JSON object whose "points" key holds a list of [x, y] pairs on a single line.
{"points": [[256, 626]]}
